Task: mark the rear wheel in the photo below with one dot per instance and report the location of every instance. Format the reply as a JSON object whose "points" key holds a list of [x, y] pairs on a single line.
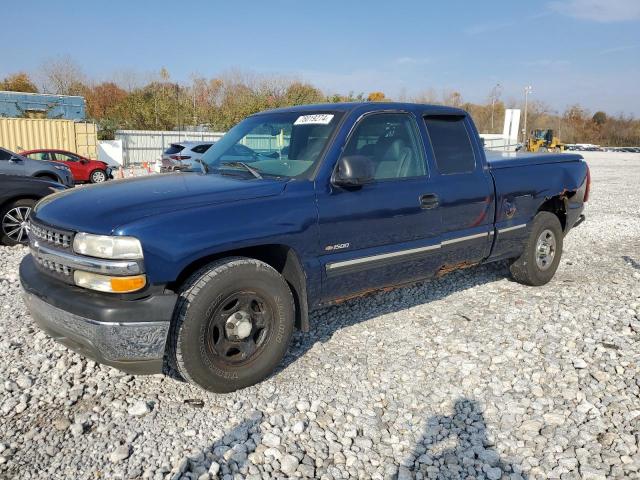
{"points": [[14, 220], [538, 263], [98, 176], [232, 325]]}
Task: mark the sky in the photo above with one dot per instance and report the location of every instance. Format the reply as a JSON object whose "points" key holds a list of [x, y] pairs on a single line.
{"points": [[569, 51]]}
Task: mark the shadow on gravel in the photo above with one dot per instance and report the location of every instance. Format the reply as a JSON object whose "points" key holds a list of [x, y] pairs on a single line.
{"points": [[631, 262], [326, 321], [457, 446]]}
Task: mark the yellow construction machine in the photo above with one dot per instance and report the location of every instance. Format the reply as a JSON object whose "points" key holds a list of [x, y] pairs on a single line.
{"points": [[544, 141]]}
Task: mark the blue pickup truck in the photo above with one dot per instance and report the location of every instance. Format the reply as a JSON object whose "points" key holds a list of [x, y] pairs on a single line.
{"points": [[208, 273]]}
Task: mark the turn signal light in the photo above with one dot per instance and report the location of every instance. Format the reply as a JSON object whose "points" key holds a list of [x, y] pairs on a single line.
{"points": [[104, 283], [127, 284]]}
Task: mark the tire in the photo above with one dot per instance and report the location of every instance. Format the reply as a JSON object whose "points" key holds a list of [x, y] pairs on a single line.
{"points": [[538, 263], [12, 221], [98, 176], [232, 325]]}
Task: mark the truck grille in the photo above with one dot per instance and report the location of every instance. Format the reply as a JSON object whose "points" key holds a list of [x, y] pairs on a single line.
{"points": [[49, 235], [54, 267]]}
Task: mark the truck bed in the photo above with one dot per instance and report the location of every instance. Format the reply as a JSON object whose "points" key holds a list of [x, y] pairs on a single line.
{"points": [[516, 159]]}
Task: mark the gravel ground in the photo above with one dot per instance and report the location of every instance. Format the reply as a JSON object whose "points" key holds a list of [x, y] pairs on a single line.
{"points": [[470, 376]]}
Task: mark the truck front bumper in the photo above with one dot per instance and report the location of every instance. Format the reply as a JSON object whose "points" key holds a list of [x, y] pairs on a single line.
{"points": [[126, 334]]}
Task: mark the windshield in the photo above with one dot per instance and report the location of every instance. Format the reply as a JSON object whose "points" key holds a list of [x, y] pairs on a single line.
{"points": [[273, 144]]}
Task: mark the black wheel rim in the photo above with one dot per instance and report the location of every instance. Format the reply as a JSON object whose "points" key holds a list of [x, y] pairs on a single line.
{"points": [[238, 328]]}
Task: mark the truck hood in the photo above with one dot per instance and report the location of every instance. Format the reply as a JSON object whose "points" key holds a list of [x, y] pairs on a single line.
{"points": [[103, 207], [513, 159]]}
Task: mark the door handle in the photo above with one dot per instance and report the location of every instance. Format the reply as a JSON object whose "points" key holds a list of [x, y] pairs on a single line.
{"points": [[428, 201]]}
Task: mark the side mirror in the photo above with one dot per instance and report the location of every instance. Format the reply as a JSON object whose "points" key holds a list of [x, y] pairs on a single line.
{"points": [[353, 171], [84, 161], [15, 159]]}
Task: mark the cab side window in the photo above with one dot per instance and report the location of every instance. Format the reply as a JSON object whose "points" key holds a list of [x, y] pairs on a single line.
{"points": [[391, 141], [451, 144]]}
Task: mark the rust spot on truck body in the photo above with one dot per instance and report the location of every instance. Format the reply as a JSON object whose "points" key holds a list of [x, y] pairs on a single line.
{"points": [[443, 270], [389, 288]]}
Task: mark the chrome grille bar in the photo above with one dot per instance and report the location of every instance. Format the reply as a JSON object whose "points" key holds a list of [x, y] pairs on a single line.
{"points": [[72, 261]]}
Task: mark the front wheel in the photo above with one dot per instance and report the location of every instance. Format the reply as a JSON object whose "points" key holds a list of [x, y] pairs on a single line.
{"points": [[232, 325], [538, 263], [98, 176], [14, 218]]}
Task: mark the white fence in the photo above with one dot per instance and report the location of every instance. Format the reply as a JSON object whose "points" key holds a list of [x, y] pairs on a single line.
{"points": [[140, 146]]}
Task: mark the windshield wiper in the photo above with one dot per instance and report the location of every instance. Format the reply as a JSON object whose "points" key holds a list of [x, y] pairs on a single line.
{"points": [[249, 169]]}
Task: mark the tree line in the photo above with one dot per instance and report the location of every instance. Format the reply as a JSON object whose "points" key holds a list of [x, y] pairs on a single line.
{"points": [[159, 103]]}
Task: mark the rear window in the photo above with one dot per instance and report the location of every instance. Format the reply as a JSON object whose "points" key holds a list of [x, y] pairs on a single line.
{"points": [[174, 148], [451, 144], [201, 148]]}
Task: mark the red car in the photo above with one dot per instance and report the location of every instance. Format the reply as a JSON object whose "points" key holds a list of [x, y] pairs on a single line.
{"points": [[83, 169]]}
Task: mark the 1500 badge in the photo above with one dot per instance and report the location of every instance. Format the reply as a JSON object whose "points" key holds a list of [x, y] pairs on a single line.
{"points": [[340, 246]]}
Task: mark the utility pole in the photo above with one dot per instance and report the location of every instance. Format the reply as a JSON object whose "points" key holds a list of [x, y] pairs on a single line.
{"points": [[495, 95], [527, 90], [178, 110]]}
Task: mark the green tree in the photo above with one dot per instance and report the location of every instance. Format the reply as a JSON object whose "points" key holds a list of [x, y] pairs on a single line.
{"points": [[599, 118]]}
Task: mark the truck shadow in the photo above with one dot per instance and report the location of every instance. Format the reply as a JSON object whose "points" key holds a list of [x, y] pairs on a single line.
{"points": [[457, 446], [631, 262], [450, 447], [326, 321]]}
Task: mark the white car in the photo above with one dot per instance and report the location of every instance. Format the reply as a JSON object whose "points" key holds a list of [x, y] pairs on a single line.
{"points": [[182, 156]]}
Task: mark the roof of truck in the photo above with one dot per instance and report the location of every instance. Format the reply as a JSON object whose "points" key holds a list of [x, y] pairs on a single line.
{"points": [[364, 107]]}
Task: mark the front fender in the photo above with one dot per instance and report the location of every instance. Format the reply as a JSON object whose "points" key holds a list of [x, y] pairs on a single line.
{"points": [[174, 240]]}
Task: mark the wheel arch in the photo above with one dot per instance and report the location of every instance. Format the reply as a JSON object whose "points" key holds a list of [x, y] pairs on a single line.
{"points": [[558, 206], [17, 197], [47, 174], [282, 258]]}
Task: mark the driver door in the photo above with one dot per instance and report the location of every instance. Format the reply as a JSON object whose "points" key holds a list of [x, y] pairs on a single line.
{"points": [[383, 233]]}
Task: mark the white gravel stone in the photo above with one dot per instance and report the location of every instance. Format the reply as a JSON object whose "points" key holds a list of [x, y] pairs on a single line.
{"points": [[289, 464], [271, 440], [121, 453], [139, 408]]}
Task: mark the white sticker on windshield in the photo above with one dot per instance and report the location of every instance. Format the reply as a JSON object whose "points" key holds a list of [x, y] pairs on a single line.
{"points": [[318, 119]]}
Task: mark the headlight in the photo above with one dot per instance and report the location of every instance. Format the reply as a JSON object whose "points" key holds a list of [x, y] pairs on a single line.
{"points": [[104, 283], [107, 246]]}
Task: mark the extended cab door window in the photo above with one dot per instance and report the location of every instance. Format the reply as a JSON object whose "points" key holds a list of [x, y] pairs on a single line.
{"points": [[451, 144], [465, 191], [380, 233]]}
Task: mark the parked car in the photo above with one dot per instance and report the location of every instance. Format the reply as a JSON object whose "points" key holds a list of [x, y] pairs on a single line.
{"points": [[212, 271], [182, 156], [12, 163], [82, 168], [18, 196]]}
